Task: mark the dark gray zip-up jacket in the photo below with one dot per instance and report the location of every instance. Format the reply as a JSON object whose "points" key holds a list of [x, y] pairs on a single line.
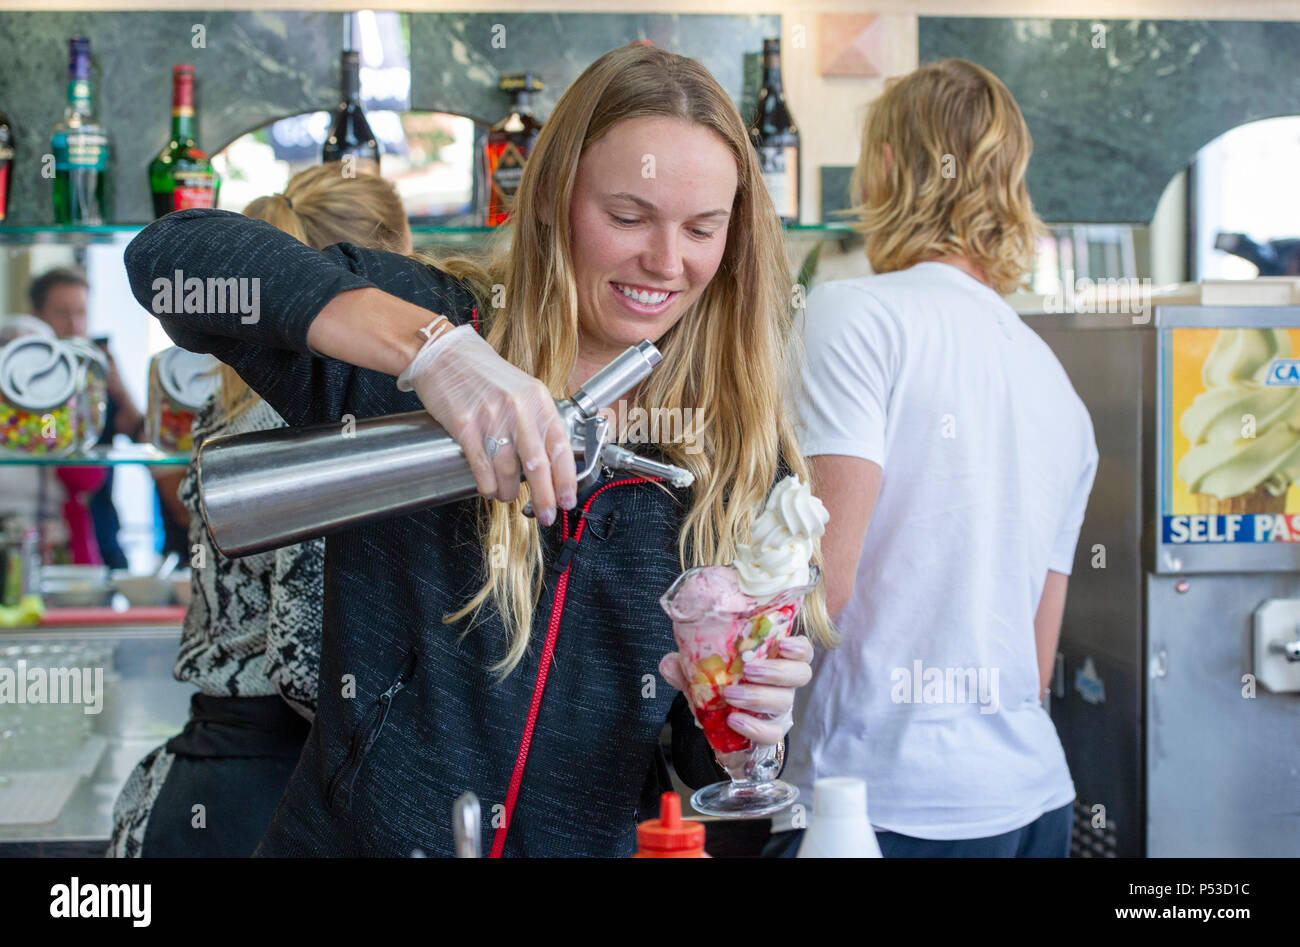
{"points": [[408, 717]]}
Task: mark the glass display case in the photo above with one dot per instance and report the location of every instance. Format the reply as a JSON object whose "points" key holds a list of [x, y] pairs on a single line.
{"points": [[95, 700]]}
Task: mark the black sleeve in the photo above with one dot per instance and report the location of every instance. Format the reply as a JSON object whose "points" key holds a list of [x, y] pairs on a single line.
{"points": [[692, 755], [282, 285]]}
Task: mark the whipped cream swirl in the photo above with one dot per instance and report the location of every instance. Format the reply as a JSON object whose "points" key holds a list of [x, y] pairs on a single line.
{"points": [[781, 545]]}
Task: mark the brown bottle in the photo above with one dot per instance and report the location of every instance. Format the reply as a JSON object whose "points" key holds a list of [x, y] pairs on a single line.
{"points": [[509, 143]]}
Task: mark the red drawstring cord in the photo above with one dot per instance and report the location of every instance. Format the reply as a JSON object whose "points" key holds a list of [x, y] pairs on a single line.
{"points": [[548, 650]]}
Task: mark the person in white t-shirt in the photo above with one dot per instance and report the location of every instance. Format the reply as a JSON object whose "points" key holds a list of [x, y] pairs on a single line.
{"points": [[955, 460]]}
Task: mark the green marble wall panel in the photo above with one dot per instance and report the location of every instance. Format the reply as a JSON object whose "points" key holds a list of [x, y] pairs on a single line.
{"points": [[455, 65], [1113, 125]]}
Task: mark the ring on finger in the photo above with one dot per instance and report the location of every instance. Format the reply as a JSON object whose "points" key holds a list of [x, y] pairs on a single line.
{"points": [[494, 444]]}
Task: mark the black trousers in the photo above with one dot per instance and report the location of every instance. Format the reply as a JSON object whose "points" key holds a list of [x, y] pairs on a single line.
{"points": [[232, 762]]}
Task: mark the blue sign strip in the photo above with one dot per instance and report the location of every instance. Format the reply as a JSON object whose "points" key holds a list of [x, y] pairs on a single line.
{"points": [[1189, 530]]}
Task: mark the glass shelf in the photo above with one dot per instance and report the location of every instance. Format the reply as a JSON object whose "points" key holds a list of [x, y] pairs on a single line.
{"points": [[423, 234], [430, 235], [145, 454], [819, 231], [49, 233]]}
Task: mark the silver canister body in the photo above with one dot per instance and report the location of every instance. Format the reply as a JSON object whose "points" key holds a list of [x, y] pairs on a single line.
{"points": [[273, 488]]}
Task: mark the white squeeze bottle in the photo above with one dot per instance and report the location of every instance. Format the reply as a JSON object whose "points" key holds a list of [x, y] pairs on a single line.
{"points": [[839, 826]]}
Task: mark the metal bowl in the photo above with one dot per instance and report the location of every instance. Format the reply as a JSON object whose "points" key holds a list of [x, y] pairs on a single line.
{"points": [[75, 586], [141, 590]]}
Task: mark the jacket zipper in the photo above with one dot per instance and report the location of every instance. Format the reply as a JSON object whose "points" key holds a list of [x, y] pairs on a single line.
{"points": [[364, 739], [562, 564]]}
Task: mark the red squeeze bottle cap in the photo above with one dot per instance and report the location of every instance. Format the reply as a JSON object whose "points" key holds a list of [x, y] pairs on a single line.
{"points": [[669, 834]]}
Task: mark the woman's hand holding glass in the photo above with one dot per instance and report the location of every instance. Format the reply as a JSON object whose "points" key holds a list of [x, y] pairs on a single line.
{"points": [[765, 698], [502, 418]]}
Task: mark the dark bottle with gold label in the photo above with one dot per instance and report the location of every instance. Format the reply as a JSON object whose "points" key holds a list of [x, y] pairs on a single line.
{"points": [[182, 176], [509, 143], [776, 138]]}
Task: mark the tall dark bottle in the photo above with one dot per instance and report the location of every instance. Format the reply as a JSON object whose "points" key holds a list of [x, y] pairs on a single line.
{"points": [[509, 143], [80, 148], [350, 137], [776, 138], [6, 162], [182, 176]]}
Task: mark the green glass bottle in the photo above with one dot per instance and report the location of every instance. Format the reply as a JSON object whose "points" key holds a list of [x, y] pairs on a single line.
{"points": [[182, 176], [80, 147]]}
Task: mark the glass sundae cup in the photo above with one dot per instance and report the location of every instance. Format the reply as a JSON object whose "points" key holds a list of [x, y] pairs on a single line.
{"points": [[719, 628]]}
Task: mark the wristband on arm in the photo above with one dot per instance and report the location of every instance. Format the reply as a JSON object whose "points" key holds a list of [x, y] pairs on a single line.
{"points": [[434, 332]]}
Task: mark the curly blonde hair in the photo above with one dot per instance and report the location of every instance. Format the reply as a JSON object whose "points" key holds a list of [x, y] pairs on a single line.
{"points": [[954, 181]]}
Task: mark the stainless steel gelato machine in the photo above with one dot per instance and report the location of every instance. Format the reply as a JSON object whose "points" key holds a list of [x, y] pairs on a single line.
{"points": [[1177, 684]]}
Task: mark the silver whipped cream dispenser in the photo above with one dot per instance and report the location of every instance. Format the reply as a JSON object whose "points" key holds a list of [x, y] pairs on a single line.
{"points": [[273, 488]]}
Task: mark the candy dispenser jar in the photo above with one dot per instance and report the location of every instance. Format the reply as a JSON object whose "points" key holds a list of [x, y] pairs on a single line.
{"points": [[39, 403], [179, 383]]}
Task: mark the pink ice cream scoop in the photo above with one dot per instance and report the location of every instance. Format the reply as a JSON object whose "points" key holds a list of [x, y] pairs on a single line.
{"points": [[710, 590]]}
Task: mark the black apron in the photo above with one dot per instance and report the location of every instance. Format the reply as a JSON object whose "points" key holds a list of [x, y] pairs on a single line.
{"points": [[232, 762]]}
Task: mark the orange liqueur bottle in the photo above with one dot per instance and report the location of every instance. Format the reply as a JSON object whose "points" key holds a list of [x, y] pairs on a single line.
{"points": [[509, 143]]}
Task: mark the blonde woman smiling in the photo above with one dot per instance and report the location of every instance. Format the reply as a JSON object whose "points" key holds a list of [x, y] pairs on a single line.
{"points": [[534, 685]]}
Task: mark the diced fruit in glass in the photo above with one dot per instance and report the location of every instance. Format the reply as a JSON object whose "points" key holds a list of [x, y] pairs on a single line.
{"points": [[711, 665], [701, 694]]}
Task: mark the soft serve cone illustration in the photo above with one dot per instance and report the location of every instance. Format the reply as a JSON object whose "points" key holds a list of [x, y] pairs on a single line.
{"points": [[1244, 433]]}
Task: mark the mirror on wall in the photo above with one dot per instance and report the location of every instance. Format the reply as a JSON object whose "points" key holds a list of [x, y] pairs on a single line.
{"points": [[1233, 214], [430, 157], [1245, 191]]}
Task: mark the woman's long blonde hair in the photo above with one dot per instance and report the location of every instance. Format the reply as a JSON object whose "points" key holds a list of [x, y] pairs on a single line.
{"points": [[956, 182], [323, 206], [731, 357]]}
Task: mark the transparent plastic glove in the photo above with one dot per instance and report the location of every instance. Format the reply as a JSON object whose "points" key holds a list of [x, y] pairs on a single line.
{"points": [[475, 394]]}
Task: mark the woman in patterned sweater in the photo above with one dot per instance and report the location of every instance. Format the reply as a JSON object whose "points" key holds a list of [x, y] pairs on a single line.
{"points": [[251, 637]]}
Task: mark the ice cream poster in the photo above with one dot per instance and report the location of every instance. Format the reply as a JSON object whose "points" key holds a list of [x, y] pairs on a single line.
{"points": [[1232, 436]]}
